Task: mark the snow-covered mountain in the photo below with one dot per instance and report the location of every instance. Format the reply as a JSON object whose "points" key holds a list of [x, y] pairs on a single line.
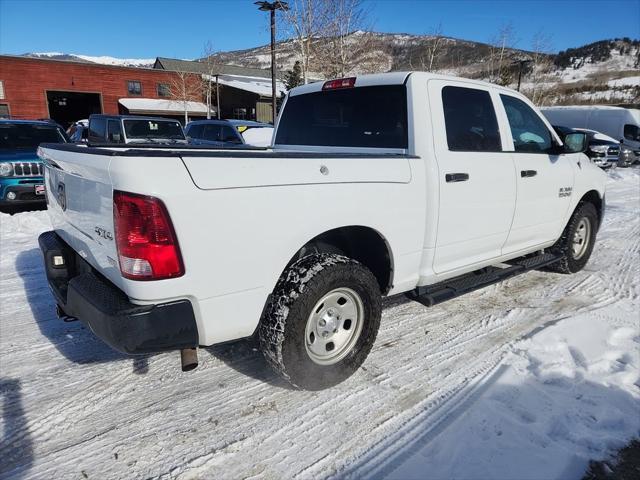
{"points": [[105, 60], [601, 72]]}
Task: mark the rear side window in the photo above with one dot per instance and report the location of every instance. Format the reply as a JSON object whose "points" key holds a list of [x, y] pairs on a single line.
{"points": [[114, 132], [97, 129], [470, 120], [373, 117], [211, 132], [529, 132]]}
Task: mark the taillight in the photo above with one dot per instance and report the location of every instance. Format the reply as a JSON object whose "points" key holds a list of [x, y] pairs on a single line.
{"points": [[339, 83], [146, 242]]}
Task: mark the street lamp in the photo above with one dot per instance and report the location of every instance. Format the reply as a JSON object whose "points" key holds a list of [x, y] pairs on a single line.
{"points": [[272, 7]]}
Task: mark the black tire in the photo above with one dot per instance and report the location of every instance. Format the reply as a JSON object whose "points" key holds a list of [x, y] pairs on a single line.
{"points": [[282, 331], [569, 263]]}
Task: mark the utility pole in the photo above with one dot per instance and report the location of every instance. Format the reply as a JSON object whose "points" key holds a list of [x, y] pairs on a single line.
{"points": [[271, 7]]}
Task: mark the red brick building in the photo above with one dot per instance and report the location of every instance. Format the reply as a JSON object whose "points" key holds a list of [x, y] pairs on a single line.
{"points": [[65, 91]]}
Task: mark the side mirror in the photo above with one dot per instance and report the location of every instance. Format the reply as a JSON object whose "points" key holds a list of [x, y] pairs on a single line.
{"points": [[575, 142]]}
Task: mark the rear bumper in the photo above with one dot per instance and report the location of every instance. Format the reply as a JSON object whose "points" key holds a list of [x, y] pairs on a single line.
{"points": [[83, 293]]}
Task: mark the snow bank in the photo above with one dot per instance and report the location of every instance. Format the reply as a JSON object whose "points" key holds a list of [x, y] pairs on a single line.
{"points": [[562, 397]]}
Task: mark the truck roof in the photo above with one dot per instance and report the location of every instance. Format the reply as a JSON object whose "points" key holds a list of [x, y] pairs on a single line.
{"points": [[389, 78]]}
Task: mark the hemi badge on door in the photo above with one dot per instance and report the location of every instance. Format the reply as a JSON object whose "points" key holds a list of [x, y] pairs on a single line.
{"points": [[565, 192]]}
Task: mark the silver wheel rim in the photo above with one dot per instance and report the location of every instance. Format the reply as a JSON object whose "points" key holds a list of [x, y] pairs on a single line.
{"points": [[581, 238], [334, 326]]}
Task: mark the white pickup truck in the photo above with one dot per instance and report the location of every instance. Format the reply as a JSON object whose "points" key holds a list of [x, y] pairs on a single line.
{"points": [[410, 183]]}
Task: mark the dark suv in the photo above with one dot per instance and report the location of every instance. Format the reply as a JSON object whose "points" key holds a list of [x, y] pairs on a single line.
{"points": [[217, 133]]}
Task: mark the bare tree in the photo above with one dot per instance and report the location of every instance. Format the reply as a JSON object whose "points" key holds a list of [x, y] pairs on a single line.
{"points": [[184, 88], [540, 66], [304, 22], [348, 46], [432, 49], [500, 44], [212, 67]]}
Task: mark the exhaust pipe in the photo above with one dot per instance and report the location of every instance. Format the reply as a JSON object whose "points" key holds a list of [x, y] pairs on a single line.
{"points": [[189, 359]]}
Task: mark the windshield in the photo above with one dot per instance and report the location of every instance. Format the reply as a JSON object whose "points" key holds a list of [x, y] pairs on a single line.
{"points": [[153, 129], [374, 117], [17, 136]]}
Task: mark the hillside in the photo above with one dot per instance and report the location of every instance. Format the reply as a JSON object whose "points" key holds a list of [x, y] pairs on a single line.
{"points": [[601, 72]]}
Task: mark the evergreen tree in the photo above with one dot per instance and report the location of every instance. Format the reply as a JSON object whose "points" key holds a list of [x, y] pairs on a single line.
{"points": [[293, 77]]}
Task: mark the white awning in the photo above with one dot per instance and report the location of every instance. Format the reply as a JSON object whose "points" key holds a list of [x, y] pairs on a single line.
{"points": [[259, 85], [159, 107]]}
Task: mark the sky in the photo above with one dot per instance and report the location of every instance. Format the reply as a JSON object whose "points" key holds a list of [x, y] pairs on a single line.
{"points": [[180, 29]]}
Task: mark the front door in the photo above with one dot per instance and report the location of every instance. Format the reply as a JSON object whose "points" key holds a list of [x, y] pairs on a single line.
{"points": [[544, 178], [476, 178]]}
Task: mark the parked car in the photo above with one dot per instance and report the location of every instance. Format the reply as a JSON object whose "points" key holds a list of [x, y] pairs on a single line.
{"points": [[623, 124], [365, 193], [603, 150], [134, 129], [214, 133], [21, 171], [257, 134]]}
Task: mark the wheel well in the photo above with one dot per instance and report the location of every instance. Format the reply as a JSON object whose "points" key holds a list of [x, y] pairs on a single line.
{"points": [[363, 244], [593, 197]]}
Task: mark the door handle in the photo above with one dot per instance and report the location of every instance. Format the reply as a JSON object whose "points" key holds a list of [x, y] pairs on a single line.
{"points": [[528, 173], [456, 177]]}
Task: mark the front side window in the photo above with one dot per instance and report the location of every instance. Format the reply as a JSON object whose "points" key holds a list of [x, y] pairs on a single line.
{"points": [[529, 132], [134, 87], [371, 117], [470, 120], [164, 90], [632, 132]]}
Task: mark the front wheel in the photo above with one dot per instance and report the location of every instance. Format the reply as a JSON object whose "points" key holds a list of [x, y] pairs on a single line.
{"points": [[322, 320], [577, 241]]}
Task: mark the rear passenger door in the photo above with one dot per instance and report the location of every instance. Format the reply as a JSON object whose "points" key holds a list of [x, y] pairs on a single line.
{"points": [[544, 177], [476, 178]]}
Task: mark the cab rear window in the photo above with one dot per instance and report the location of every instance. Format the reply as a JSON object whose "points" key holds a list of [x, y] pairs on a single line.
{"points": [[372, 117]]}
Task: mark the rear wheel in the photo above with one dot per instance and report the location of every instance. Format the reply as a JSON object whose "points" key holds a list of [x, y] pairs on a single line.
{"points": [[576, 244], [322, 320]]}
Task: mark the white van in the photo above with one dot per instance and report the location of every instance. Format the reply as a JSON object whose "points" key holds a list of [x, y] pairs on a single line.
{"points": [[623, 124]]}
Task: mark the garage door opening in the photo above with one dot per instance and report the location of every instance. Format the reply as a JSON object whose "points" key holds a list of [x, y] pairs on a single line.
{"points": [[68, 107]]}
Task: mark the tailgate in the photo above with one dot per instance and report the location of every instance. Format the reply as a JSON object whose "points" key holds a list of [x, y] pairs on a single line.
{"points": [[80, 204]]}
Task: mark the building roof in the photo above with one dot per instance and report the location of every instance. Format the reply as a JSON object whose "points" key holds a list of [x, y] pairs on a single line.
{"points": [[158, 106], [177, 65], [258, 85]]}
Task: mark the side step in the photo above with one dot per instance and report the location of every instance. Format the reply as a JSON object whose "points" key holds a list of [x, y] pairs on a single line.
{"points": [[430, 295]]}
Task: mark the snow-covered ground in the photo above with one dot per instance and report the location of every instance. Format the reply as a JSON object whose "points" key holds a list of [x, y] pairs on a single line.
{"points": [[527, 379]]}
